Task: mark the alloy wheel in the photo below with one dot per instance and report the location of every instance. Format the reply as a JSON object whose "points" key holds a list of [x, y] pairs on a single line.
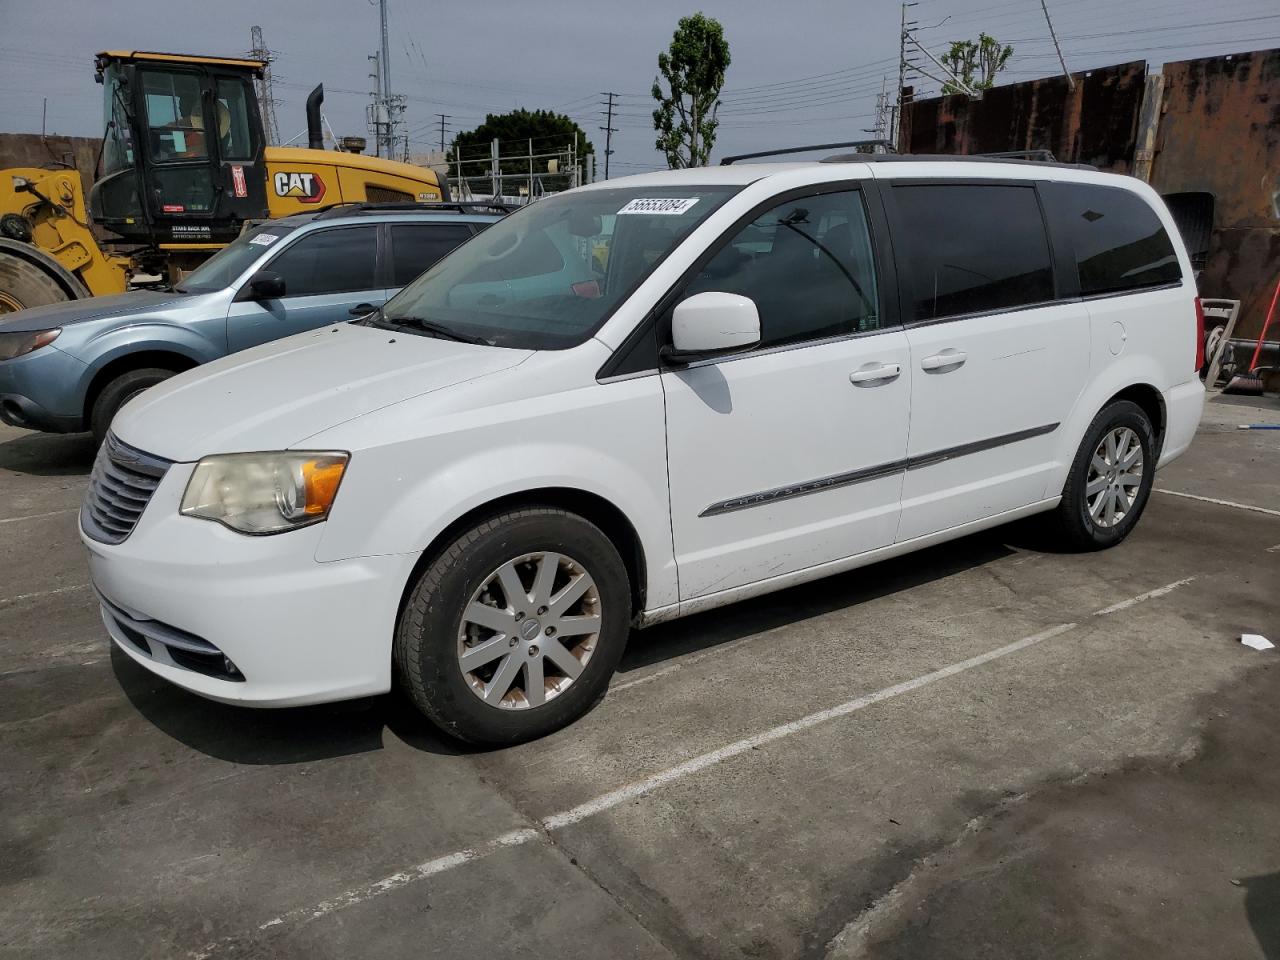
{"points": [[1115, 477], [529, 631]]}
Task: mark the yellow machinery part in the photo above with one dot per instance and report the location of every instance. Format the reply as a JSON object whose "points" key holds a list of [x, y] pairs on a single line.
{"points": [[61, 229], [301, 180]]}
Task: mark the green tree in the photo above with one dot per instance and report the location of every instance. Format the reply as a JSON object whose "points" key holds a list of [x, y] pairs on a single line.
{"points": [[975, 62], [549, 131], [694, 69]]}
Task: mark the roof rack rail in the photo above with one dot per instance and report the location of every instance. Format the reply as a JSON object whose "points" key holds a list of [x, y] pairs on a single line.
{"points": [[453, 206], [884, 145], [1018, 157]]}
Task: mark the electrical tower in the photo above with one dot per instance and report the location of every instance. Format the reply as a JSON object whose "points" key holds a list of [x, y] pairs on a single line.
{"points": [[266, 100], [609, 130], [443, 126], [386, 112]]}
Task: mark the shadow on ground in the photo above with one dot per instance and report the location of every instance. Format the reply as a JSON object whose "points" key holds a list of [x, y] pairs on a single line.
{"points": [[48, 454], [306, 734]]}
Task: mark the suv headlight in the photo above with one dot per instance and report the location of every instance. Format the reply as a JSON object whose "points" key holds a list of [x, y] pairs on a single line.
{"points": [[261, 493], [17, 344]]}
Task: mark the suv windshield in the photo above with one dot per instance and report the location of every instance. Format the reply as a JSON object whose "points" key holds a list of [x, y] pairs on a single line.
{"points": [[232, 260], [550, 274]]}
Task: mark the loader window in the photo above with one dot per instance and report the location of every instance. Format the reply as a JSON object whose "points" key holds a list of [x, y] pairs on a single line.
{"points": [[175, 116], [117, 149], [232, 109]]}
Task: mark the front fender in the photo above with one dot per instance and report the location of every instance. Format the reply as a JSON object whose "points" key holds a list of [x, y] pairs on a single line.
{"points": [[147, 336], [607, 440]]}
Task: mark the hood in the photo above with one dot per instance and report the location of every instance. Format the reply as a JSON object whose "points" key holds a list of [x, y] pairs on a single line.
{"points": [[94, 308], [275, 396]]}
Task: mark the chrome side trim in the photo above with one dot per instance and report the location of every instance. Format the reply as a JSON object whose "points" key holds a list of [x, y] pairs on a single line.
{"points": [[872, 473]]}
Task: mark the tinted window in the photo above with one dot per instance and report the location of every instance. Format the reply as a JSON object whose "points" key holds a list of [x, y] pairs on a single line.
{"points": [[973, 248], [1119, 241], [330, 261], [414, 247], [807, 264]]}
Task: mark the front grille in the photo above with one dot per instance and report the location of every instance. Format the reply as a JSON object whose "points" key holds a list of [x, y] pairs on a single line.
{"points": [[168, 645], [120, 487]]}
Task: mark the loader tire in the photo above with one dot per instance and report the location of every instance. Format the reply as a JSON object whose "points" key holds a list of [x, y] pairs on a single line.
{"points": [[23, 284]]}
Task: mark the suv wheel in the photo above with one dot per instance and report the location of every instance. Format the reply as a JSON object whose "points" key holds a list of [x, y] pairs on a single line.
{"points": [[514, 630], [1110, 479], [117, 393]]}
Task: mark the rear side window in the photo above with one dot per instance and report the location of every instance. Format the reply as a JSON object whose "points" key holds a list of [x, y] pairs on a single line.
{"points": [[973, 248], [329, 261], [414, 247], [1119, 242]]}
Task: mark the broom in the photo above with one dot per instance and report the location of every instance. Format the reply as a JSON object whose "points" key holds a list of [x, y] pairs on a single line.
{"points": [[1250, 384]]}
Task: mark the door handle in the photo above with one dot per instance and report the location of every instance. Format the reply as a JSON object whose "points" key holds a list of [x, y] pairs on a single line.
{"points": [[948, 359], [879, 372], [360, 309]]}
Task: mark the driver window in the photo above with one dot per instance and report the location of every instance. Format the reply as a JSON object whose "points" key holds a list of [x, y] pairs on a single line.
{"points": [[808, 266], [175, 116], [329, 261]]}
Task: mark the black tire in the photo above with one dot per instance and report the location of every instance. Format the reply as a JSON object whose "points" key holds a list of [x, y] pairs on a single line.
{"points": [[426, 642], [119, 392], [1071, 523], [23, 285]]}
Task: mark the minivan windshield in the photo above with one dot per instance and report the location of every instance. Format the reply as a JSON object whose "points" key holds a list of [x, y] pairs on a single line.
{"points": [[549, 275], [227, 264]]}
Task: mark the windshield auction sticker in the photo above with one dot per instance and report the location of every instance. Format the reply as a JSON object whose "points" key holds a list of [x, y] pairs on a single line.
{"points": [[668, 207], [264, 239]]}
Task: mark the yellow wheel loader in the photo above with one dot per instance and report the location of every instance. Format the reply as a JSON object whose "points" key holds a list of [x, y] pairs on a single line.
{"points": [[184, 164]]}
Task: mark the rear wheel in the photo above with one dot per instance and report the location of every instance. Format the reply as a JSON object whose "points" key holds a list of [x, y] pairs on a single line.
{"points": [[1110, 479], [23, 285], [117, 393], [514, 630]]}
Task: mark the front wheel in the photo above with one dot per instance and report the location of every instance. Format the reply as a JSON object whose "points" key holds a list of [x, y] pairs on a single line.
{"points": [[1110, 479], [117, 393], [514, 630]]}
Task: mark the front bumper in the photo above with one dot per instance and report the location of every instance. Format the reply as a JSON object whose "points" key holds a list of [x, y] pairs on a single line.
{"points": [[296, 630], [43, 391]]}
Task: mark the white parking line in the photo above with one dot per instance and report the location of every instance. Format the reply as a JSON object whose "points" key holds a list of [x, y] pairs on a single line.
{"points": [[1222, 503], [6, 601], [639, 788], [40, 516], [1149, 595]]}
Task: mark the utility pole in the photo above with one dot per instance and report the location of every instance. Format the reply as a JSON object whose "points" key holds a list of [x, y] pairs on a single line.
{"points": [[1071, 83], [895, 123], [609, 130], [377, 109], [443, 117], [266, 94], [44, 115], [387, 108]]}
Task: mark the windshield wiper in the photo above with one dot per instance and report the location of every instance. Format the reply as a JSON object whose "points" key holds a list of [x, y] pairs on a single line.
{"points": [[437, 329]]}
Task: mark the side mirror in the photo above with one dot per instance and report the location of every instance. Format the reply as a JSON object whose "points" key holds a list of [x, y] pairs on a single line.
{"points": [[265, 285], [710, 323]]}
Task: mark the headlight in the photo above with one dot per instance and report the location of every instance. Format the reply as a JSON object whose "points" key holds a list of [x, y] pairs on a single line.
{"points": [[263, 493], [16, 344]]}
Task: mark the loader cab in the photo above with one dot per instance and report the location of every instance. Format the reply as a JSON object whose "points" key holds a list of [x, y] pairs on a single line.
{"points": [[182, 158]]}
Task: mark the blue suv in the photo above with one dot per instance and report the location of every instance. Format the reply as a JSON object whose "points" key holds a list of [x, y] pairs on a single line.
{"points": [[70, 366]]}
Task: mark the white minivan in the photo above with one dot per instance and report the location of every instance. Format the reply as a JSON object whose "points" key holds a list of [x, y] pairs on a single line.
{"points": [[741, 378]]}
